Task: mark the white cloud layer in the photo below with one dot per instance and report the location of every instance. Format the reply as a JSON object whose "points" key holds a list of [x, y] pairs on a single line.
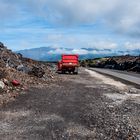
{"points": [[67, 51], [79, 51], [132, 45], [8, 10], [122, 15], [102, 45]]}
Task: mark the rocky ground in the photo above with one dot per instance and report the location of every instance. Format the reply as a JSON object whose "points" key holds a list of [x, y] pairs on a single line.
{"points": [[127, 63], [18, 74], [87, 106]]}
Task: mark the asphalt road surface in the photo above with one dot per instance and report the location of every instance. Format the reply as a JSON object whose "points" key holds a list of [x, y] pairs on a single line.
{"points": [[127, 76], [87, 106]]}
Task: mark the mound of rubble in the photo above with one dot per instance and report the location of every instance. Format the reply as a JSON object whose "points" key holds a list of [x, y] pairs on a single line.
{"points": [[18, 73], [127, 62]]}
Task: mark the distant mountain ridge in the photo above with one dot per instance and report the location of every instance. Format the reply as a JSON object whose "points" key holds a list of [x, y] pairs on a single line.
{"points": [[41, 53], [54, 54]]}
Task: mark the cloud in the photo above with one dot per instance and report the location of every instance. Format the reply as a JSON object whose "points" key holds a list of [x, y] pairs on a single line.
{"points": [[59, 51], [123, 16], [80, 51], [54, 37], [9, 10], [78, 40], [132, 45], [72, 24], [72, 11], [101, 45]]}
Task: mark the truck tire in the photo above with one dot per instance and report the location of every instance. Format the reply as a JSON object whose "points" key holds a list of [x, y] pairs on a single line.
{"points": [[69, 71], [75, 71], [63, 72]]}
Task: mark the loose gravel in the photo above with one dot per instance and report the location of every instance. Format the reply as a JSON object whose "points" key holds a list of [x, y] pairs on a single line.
{"points": [[77, 107]]}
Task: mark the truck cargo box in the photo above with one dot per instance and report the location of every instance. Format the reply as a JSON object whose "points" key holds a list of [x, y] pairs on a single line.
{"points": [[69, 63]]}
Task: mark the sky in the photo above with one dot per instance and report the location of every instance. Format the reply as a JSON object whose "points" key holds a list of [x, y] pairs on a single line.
{"points": [[103, 25]]}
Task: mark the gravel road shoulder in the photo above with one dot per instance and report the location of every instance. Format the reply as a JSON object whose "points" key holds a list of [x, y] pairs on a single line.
{"points": [[87, 106]]}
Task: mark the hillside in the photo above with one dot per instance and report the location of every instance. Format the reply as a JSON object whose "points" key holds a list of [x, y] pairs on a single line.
{"points": [[52, 54], [127, 62], [17, 73]]}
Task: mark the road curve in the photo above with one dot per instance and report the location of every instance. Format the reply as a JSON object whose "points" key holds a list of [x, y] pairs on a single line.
{"points": [[126, 76]]}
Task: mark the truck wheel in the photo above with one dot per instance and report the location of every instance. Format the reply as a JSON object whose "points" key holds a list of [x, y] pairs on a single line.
{"points": [[63, 72], [75, 71]]}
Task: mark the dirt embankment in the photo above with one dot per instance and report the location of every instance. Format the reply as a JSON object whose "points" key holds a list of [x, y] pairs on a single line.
{"points": [[18, 73], [127, 62]]}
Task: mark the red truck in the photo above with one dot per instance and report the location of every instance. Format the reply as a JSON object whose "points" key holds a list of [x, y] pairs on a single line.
{"points": [[69, 63]]}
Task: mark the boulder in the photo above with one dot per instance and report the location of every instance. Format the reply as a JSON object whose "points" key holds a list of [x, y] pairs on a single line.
{"points": [[23, 68], [3, 73], [2, 85], [1, 45], [37, 71]]}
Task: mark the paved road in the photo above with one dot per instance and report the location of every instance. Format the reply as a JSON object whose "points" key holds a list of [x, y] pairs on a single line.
{"points": [[76, 107], [127, 76]]}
